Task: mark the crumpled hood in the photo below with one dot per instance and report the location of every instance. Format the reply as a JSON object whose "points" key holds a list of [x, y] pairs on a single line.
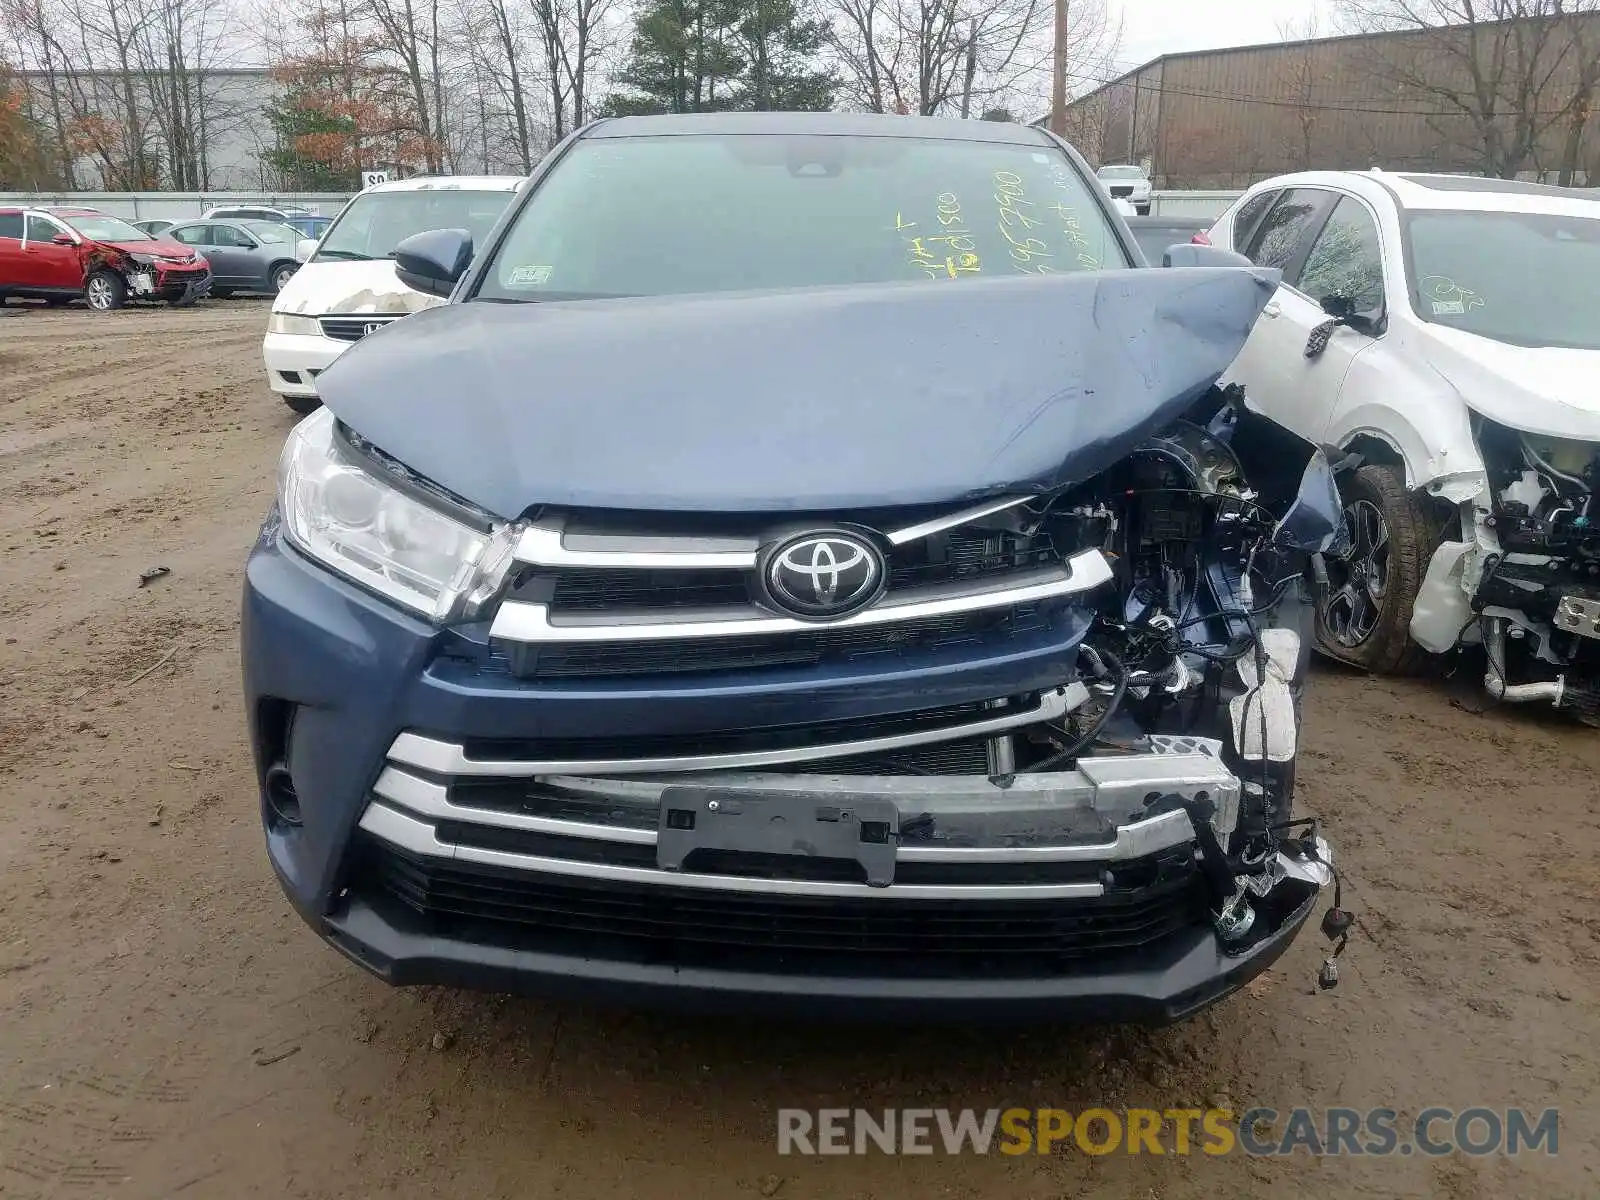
{"points": [[165, 248], [1543, 390], [810, 400], [322, 288]]}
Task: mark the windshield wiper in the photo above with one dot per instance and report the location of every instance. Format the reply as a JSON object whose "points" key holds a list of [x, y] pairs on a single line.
{"points": [[352, 255]]}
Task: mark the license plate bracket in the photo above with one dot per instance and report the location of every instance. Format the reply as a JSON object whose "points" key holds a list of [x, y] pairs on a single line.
{"points": [[863, 829]]}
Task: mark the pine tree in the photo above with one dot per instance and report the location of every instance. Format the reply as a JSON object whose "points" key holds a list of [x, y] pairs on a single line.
{"points": [[682, 59], [718, 55], [781, 51]]}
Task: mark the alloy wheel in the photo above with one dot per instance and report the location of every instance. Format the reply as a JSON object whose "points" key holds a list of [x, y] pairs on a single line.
{"points": [[99, 295], [1358, 581]]}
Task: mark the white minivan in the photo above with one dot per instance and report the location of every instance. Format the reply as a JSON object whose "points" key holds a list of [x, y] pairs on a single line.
{"points": [[349, 288]]}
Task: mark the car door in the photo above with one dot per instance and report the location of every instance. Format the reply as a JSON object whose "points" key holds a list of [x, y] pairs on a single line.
{"points": [[241, 262], [1271, 365], [46, 265], [1343, 263], [11, 227], [218, 241]]}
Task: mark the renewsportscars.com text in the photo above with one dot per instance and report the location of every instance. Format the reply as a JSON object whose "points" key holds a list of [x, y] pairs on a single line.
{"points": [[1258, 1131]]}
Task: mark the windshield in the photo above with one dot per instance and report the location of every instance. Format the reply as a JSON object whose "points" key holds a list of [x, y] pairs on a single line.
{"points": [[107, 229], [271, 231], [1523, 278], [375, 223], [714, 213], [1121, 172]]}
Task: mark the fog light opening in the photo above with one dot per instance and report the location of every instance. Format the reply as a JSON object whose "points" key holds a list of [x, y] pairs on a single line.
{"points": [[281, 796]]}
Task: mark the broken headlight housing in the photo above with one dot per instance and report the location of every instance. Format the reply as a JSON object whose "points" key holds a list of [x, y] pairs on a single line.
{"points": [[341, 513]]}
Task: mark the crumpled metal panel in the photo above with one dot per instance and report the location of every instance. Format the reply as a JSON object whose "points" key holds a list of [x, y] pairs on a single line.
{"points": [[795, 401]]}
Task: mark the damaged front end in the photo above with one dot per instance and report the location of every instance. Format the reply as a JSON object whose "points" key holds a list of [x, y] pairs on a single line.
{"points": [[1113, 833], [1526, 580]]}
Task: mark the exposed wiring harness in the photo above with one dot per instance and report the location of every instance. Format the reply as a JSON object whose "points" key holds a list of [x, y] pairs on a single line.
{"points": [[1112, 665]]}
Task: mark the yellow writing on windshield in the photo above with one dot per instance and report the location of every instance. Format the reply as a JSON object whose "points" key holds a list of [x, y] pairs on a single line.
{"points": [[949, 253], [1028, 253], [1071, 223]]}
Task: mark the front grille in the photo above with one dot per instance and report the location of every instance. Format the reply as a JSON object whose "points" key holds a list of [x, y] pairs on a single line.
{"points": [[808, 648], [955, 557], [790, 934], [352, 329]]}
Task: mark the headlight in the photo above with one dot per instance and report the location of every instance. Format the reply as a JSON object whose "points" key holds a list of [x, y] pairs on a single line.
{"points": [[292, 323], [144, 260], [355, 523]]}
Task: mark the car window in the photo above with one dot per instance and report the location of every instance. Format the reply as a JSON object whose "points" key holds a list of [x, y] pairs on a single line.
{"points": [[10, 225], [41, 229], [374, 223], [1346, 260], [106, 228], [1526, 279], [227, 235], [1284, 228], [271, 231], [192, 235], [1250, 212], [875, 210]]}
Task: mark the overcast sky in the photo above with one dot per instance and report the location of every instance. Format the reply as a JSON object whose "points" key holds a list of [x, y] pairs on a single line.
{"points": [[1156, 27]]}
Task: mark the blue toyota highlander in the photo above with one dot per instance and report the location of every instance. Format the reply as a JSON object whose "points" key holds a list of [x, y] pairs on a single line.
{"points": [[809, 564]]}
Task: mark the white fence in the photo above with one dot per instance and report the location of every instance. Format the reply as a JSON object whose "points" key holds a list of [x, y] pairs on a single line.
{"points": [[176, 206], [148, 206], [1202, 205]]}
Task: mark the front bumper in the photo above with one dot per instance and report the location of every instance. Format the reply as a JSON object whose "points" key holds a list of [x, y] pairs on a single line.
{"points": [[171, 285], [294, 360], [447, 830]]}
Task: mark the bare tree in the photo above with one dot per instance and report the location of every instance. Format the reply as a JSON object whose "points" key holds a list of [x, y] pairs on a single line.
{"points": [[574, 36], [412, 33], [1494, 76], [1299, 85], [944, 56]]}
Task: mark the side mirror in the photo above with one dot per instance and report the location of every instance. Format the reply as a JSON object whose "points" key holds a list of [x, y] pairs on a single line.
{"points": [[434, 261], [1342, 309], [64, 239], [1315, 521], [1193, 254]]}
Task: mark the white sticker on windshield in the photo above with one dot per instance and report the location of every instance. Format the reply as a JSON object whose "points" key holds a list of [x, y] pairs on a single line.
{"points": [[1041, 158], [1448, 308], [529, 276]]}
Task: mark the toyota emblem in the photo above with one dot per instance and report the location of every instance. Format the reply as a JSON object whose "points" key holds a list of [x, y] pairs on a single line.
{"points": [[823, 575]]}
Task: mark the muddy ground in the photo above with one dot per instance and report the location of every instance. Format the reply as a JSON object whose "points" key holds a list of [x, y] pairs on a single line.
{"points": [[169, 1029]]}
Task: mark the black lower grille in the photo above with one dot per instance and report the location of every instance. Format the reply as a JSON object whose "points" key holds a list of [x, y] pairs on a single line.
{"points": [[824, 644], [749, 931]]}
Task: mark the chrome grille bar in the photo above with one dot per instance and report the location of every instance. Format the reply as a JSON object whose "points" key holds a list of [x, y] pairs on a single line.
{"points": [[433, 802], [525, 621], [419, 837], [449, 758]]}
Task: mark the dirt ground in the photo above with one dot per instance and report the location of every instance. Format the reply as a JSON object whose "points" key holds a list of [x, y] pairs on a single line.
{"points": [[168, 1028]]}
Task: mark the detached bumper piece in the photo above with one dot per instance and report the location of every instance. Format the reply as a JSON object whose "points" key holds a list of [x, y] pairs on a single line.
{"points": [[947, 897]]}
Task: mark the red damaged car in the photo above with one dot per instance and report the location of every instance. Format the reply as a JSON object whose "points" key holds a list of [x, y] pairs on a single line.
{"points": [[63, 254]]}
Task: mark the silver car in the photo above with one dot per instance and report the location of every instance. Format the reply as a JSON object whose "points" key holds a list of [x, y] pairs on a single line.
{"points": [[246, 256]]}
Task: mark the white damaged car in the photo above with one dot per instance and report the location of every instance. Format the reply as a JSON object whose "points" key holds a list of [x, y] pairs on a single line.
{"points": [[349, 288], [1441, 335]]}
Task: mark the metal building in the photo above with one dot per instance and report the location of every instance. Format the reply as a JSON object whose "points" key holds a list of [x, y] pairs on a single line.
{"points": [[1401, 100]]}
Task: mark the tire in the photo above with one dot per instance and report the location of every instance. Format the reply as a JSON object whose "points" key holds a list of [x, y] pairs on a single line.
{"points": [[279, 275], [104, 291], [1142, 210], [304, 405], [1364, 617]]}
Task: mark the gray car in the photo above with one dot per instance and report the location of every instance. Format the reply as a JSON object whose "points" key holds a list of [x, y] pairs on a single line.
{"points": [[246, 256]]}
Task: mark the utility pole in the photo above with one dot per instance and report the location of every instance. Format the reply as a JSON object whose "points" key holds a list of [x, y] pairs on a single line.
{"points": [[1058, 81], [972, 68]]}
